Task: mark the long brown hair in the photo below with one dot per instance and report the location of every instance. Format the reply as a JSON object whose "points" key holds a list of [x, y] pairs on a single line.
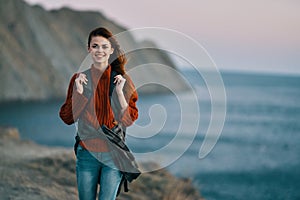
{"points": [[117, 60]]}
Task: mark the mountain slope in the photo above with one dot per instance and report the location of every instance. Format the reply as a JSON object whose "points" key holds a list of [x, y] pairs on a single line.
{"points": [[40, 50]]}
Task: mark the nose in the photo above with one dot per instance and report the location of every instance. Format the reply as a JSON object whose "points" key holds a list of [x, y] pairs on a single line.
{"points": [[99, 49]]}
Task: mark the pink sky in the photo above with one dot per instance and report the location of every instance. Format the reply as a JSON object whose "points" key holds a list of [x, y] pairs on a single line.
{"points": [[253, 35]]}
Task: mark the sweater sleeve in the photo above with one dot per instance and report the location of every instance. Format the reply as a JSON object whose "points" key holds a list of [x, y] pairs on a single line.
{"points": [[73, 105], [131, 113]]}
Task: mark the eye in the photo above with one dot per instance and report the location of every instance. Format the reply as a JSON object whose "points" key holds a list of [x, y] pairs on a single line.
{"points": [[105, 47], [95, 46]]}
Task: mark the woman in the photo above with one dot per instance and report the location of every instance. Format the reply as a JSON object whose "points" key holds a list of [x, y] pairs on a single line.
{"points": [[94, 164]]}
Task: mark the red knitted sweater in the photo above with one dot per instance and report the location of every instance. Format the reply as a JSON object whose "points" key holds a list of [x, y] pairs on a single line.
{"points": [[98, 111]]}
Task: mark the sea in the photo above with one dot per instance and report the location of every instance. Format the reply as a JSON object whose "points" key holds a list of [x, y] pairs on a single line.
{"points": [[256, 153]]}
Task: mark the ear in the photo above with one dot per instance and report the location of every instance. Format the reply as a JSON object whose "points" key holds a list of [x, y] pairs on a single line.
{"points": [[112, 51], [89, 49]]}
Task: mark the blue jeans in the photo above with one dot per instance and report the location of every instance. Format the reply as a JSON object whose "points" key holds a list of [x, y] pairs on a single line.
{"points": [[93, 169]]}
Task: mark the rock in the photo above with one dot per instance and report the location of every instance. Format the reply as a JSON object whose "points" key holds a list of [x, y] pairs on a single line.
{"points": [[40, 50], [9, 133]]}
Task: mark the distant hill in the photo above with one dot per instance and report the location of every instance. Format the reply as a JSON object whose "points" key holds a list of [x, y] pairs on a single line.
{"points": [[40, 50]]}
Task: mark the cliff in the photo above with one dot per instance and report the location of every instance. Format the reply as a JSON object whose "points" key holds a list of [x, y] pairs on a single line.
{"points": [[30, 171], [40, 50]]}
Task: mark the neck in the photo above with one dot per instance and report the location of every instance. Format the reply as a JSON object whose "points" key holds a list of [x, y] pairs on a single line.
{"points": [[101, 66]]}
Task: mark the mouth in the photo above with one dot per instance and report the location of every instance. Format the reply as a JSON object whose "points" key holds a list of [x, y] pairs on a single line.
{"points": [[99, 55]]}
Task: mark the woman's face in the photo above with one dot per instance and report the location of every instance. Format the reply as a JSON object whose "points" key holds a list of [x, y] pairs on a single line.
{"points": [[100, 50]]}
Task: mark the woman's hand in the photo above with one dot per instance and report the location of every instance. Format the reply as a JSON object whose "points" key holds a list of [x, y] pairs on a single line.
{"points": [[120, 82], [79, 81]]}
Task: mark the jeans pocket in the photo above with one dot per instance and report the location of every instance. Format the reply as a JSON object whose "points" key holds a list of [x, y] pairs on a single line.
{"points": [[81, 152]]}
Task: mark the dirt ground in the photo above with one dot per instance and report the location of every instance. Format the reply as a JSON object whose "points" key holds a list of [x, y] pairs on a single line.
{"points": [[31, 171]]}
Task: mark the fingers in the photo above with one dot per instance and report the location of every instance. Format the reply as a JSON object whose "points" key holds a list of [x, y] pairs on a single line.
{"points": [[119, 79], [81, 79]]}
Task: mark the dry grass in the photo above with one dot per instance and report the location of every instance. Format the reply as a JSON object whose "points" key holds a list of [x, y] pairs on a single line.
{"points": [[30, 171], [161, 185]]}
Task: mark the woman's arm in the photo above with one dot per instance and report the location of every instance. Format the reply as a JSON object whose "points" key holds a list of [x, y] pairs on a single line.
{"points": [[74, 103], [130, 113], [127, 98]]}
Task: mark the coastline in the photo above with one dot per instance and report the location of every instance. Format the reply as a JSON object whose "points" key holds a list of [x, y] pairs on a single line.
{"points": [[31, 171]]}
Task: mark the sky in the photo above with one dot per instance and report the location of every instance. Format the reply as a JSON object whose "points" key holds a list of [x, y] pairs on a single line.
{"points": [[252, 36]]}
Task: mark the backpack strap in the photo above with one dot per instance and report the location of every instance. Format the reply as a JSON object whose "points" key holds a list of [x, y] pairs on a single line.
{"points": [[88, 88], [123, 182], [111, 84]]}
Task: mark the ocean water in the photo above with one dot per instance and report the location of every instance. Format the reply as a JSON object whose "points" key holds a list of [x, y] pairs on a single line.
{"points": [[256, 156]]}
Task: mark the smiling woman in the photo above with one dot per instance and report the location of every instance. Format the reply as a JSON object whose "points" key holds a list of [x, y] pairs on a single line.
{"points": [[95, 162]]}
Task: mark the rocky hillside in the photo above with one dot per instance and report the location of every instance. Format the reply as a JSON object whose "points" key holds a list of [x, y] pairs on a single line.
{"points": [[30, 171], [40, 50]]}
